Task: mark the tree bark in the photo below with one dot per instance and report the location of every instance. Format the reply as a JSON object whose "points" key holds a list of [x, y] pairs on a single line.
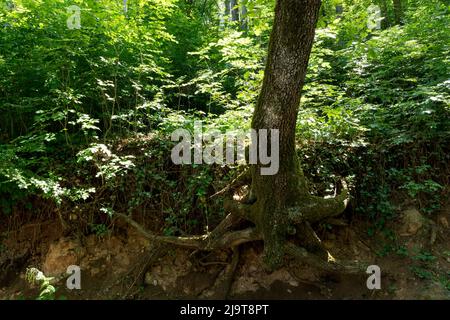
{"points": [[234, 10], [281, 200], [398, 11], [227, 8], [244, 18], [385, 23]]}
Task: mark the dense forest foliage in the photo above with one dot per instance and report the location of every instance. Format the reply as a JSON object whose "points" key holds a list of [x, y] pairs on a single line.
{"points": [[87, 110]]}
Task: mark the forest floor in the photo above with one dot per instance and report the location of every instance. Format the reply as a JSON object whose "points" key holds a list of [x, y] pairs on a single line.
{"points": [[124, 265]]}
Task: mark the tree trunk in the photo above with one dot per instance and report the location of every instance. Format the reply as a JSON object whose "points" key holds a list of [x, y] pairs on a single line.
{"points": [[244, 18], [282, 205], [398, 11], [227, 8], [385, 23], [279, 205], [277, 107], [234, 10]]}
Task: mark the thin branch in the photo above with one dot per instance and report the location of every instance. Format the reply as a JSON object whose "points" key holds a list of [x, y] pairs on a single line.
{"points": [[240, 180]]}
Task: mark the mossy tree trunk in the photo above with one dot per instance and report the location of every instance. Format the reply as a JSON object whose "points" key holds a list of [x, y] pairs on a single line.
{"points": [[282, 205]]}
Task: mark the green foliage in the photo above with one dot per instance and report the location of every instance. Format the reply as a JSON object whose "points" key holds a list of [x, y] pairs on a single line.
{"points": [[422, 273], [376, 107], [231, 71], [424, 256], [109, 165], [86, 114], [60, 88], [100, 230], [47, 290]]}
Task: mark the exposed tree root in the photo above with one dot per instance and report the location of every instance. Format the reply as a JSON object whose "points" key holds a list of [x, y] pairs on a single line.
{"points": [[314, 209], [331, 264], [310, 241], [231, 269], [211, 241], [296, 222]]}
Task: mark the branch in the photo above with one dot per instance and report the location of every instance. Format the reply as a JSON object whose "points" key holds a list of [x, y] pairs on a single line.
{"points": [[238, 209], [240, 180], [230, 272]]}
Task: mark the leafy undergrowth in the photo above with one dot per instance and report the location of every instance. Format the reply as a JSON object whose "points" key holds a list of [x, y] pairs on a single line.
{"points": [[87, 114]]}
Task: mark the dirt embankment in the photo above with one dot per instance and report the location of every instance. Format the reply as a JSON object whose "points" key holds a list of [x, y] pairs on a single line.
{"points": [[124, 265]]}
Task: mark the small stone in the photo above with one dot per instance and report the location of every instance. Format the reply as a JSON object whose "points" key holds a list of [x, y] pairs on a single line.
{"points": [[412, 222], [443, 221], [293, 283]]}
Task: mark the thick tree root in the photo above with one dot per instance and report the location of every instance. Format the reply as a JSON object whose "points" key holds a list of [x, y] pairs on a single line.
{"points": [[231, 269], [213, 241], [296, 220], [314, 209], [331, 264], [310, 241]]}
